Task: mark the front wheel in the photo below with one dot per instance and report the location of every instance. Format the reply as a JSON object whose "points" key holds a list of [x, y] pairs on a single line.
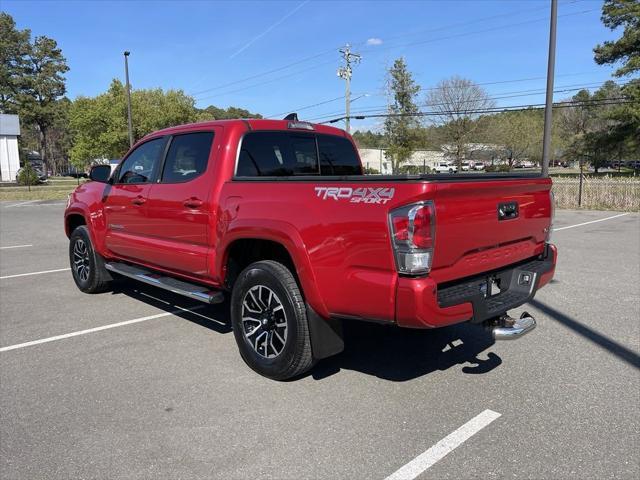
{"points": [[269, 321], [87, 266]]}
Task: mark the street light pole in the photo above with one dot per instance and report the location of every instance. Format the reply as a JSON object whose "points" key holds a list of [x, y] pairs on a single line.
{"points": [[546, 142], [129, 122]]}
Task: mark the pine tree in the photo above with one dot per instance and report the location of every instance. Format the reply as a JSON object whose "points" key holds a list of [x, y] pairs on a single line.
{"points": [[401, 126]]}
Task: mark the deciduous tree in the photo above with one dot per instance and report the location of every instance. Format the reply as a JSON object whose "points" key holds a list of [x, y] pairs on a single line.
{"points": [[456, 102]]}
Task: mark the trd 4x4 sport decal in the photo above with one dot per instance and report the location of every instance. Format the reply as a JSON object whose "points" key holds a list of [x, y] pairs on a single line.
{"points": [[356, 195]]}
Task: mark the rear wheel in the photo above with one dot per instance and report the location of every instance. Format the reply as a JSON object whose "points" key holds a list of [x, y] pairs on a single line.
{"points": [[87, 266], [269, 321]]}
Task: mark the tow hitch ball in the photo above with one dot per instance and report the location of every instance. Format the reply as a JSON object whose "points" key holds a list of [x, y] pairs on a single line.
{"points": [[509, 328]]}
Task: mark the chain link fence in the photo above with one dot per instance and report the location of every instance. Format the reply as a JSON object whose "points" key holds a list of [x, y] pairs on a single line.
{"points": [[603, 193]]}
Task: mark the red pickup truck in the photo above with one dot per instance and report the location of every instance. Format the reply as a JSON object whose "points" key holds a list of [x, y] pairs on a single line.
{"points": [[277, 214]]}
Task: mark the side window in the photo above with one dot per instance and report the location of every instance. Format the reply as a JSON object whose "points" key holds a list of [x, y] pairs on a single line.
{"points": [[138, 167], [263, 154], [338, 156], [277, 154], [187, 157]]}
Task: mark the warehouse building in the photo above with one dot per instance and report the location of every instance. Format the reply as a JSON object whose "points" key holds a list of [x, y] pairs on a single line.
{"points": [[9, 157]]}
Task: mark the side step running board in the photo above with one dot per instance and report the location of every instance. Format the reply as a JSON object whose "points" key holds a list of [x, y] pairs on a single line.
{"points": [[191, 290]]}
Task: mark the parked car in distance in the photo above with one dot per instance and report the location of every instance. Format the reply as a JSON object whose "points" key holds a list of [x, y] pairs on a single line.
{"points": [[75, 173], [277, 216], [466, 166], [446, 167], [478, 166]]}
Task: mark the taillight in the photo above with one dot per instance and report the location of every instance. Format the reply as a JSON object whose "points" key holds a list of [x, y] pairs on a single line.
{"points": [[552, 199], [412, 237]]}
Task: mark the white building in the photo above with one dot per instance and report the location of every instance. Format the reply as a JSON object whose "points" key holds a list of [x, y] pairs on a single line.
{"points": [[374, 158], [9, 158]]}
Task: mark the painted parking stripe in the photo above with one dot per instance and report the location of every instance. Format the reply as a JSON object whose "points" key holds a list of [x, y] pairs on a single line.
{"points": [[592, 221], [15, 246], [40, 204], [98, 329], [22, 203], [35, 273], [445, 446]]}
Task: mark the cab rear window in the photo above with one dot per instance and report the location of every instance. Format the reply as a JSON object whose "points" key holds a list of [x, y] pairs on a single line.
{"points": [[267, 154]]}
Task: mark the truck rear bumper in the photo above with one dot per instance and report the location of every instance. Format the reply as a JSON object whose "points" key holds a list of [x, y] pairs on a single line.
{"points": [[421, 303]]}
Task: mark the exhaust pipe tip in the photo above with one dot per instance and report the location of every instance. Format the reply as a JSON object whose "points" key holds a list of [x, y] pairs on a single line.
{"points": [[510, 328]]}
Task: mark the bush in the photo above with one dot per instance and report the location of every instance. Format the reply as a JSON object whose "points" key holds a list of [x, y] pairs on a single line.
{"points": [[497, 168], [370, 171], [27, 176], [412, 169]]}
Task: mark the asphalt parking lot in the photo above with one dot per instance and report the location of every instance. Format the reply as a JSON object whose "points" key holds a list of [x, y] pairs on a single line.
{"points": [[163, 393]]}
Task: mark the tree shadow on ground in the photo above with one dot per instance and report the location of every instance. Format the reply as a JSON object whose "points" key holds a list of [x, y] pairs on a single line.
{"points": [[608, 344]]}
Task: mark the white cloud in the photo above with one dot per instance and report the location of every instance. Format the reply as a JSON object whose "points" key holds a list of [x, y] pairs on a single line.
{"points": [[374, 41]]}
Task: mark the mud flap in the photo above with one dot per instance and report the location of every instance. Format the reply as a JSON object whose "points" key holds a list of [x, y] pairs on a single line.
{"points": [[326, 335]]}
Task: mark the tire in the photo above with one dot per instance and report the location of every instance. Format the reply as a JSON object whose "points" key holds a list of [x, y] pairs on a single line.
{"points": [[87, 266], [269, 321]]}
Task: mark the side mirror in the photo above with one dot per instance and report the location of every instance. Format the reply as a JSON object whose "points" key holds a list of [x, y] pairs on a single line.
{"points": [[100, 173]]}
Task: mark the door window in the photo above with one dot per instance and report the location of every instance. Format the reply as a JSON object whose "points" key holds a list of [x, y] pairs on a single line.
{"points": [[187, 157], [139, 166]]}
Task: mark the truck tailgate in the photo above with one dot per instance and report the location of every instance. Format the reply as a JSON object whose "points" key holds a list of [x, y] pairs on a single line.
{"points": [[485, 225]]}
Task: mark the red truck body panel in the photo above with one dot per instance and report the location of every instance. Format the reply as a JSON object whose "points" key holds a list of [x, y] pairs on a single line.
{"points": [[341, 249]]}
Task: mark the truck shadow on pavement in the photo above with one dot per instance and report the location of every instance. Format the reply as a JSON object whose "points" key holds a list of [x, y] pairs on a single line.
{"points": [[399, 354], [387, 352], [213, 317]]}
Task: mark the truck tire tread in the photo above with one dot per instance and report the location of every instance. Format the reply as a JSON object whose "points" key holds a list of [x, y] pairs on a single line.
{"points": [[302, 359]]}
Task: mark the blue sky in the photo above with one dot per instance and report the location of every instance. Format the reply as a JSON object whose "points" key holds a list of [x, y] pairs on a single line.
{"points": [[207, 48]]}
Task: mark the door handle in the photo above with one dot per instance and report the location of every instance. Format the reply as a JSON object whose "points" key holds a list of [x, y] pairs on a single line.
{"points": [[139, 200], [193, 202]]}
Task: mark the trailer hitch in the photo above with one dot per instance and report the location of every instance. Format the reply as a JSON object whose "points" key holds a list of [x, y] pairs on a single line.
{"points": [[509, 328]]}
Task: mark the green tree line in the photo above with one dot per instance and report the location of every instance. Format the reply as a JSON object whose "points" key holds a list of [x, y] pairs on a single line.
{"points": [[33, 85], [603, 126]]}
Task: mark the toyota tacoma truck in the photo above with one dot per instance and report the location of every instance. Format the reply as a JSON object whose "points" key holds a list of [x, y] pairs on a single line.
{"points": [[277, 215]]}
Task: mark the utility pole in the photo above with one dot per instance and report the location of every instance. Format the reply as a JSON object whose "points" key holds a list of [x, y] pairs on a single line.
{"points": [[546, 142], [345, 73], [126, 72]]}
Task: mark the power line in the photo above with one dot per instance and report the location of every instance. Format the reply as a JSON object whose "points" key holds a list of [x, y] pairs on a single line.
{"points": [[526, 22], [377, 51], [326, 52], [304, 107], [265, 82], [516, 94], [539, 106], [323, 102], [268, 72]]}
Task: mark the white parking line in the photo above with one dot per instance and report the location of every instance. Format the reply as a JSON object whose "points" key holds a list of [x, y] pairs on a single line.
{"points": [[445, 446], [15, 246], [34, 273], [98, 329], [42, 204], [592, 221], [21, 203]]}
